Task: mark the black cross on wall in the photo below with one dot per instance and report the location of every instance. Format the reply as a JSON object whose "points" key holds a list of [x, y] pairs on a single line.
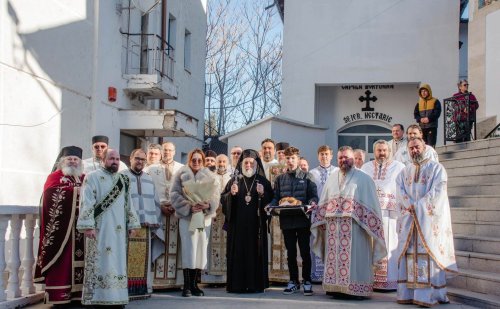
{"points": [[367, 99]]}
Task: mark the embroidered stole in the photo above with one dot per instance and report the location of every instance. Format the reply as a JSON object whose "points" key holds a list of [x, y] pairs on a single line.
{"points": [[122, 183]]}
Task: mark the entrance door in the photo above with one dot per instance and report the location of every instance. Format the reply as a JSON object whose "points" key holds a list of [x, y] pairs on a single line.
{"points": [[363, 137]]}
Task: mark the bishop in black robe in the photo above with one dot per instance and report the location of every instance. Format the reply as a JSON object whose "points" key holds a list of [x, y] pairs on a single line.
{"points": [[246, 221]]}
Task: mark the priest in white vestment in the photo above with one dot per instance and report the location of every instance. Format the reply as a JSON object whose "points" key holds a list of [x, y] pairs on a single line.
{"points": [[147, 205], [106, 217], [268, 153], [319, 175], [165, 247], [427, 255], [403, 156], [398, 140], [99, 148], [384, 171], [348, 229]]}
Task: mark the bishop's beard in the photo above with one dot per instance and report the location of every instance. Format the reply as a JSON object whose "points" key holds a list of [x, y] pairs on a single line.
{"points": [[249, 173], [75, 171]]}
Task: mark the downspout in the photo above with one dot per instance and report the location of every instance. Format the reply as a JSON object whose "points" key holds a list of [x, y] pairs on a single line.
{"points": [[163, 35]]}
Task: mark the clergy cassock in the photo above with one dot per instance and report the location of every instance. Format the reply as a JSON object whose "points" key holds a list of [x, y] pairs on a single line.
{"points": [[384, 175], [319, 175], [403, 155], [426, 252], [60, 259], [106, 207], [147, 205], [216, 269], [165, 245], [396, 145], [348, 233], [247, 261]]}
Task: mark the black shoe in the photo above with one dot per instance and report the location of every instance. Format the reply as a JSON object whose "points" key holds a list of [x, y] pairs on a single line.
{"points": [[307, 288], [291, 288], [195, 290], [186, 291]]}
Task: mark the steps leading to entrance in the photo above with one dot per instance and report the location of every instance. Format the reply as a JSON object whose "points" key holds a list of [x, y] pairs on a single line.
{"points": [[474, 243], [473, 170]]}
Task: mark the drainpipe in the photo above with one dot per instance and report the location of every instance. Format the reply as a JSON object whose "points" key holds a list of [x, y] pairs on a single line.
{"points": [[163, 35]]}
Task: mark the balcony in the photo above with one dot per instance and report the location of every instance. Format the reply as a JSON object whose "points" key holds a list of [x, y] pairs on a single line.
{"points": [[148, 67], [157, 123]]}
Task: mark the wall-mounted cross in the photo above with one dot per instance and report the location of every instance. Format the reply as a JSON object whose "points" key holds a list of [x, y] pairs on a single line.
{"points": [[367, 99]]}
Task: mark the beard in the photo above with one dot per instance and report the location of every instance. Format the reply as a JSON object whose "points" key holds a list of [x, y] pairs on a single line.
{"points": [[417, 158], [249, 173], [212, 168], [267, 157], [221, 170], [381, 160], [75, 171], [113, 168], [347, 166]]}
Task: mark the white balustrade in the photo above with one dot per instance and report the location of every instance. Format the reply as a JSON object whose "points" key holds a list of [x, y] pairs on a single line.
{"points": [[16, 294], [27, 286], [14, 262]]}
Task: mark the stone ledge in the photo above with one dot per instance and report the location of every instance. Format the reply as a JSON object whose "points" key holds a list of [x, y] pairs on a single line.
{"points": [[22, 301], [473, 298]]}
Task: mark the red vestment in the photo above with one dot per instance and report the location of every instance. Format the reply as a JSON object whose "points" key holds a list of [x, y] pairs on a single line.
{"points": [[60, 259]]}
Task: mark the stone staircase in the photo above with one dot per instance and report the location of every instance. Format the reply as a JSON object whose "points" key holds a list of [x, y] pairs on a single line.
{"points": [[474, 191]]}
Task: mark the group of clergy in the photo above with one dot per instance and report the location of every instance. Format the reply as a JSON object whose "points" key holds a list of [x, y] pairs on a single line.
{"points": [[385, 225]]}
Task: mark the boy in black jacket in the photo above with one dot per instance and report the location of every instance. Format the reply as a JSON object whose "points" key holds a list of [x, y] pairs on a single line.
{"points": [[294, 224]]}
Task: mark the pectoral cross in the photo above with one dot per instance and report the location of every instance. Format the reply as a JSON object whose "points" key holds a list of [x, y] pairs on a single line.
{"points": [[367, 99]]}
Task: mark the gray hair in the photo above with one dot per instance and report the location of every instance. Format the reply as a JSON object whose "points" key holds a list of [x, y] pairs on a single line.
{"points": [[155, 146], [382, 142]]}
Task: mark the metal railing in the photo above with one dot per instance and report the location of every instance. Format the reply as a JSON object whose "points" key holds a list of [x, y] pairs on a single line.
{"points": [[494, 133], [459, 119], [148, 54]]}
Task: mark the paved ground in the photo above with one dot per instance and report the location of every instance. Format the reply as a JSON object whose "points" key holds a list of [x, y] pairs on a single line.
{"points": [[272, 298]]}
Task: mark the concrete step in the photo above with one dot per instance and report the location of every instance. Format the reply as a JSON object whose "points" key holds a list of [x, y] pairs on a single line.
{"points": [[483, 189], [489, 229], [468, 162], [476, 281], [474, 243], [469, 153], [471, 214], [478, 261], [473, 145], [477, 300], [491, 202], [473, 170], [467, 180]]}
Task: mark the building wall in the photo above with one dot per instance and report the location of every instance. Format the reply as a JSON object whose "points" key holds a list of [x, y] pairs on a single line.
{"points": [[483, 42], [339, 42], [57, 60]]}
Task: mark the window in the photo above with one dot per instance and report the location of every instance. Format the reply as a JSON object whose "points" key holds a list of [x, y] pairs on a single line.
{"points": [[172, 26], [187, 50]]}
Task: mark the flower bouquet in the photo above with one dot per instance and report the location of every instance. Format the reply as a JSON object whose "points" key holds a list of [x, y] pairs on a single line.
{"points": [[198, 192]]}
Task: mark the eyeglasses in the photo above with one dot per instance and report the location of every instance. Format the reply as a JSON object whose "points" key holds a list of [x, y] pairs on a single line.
{"points": [[100, 146], [196, 160], [139, 159], [236, 153], [466, 85]]}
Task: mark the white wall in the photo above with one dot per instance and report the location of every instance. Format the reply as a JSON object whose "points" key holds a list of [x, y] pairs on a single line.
{"points": [[385, 41], [57, 60], [45, 69], [492, 63], [341, 108]]}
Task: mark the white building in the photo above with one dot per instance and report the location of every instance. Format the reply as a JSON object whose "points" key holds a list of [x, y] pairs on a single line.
{"points": [[59, 61], [336, 51]]}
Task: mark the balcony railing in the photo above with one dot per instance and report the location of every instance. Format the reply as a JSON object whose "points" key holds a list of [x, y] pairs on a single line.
{"points": [[19, 222], [148, 54]]}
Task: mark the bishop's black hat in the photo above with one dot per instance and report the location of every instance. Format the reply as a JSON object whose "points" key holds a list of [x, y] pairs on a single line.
{"points": [[100, 139]]}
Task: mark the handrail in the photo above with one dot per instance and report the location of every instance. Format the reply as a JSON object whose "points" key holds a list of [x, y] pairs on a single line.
{"points": [[492, 131], [149, 54]]}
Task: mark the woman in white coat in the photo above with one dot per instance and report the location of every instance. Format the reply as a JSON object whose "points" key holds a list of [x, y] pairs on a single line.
{"points": [[194, 242]]}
